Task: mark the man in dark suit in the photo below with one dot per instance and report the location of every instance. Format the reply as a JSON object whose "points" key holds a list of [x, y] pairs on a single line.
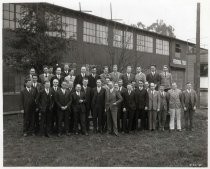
{"points": [[28, 96], [71, 113], [112, 100], [142, 106], [128, 77], [154, 77], [57, 76], [65, 70], [45, 102], [189, 101], [31, 72], [78, 101], [92, 78], [54, 125], [63, 101], [87, 91], [129, 108], [98, 106], [38, 87], [45, 76], [122, 91], [79, 78]]}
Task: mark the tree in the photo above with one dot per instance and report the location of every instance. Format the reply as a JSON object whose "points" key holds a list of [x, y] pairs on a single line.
{"points": [[159, 27], [30, 44]]}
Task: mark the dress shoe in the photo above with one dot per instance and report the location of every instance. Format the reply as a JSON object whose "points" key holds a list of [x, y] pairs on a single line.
{"points": [[179, 130]]}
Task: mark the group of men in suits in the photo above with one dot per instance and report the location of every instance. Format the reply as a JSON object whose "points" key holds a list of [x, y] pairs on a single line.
{"points": [[64, 103]]}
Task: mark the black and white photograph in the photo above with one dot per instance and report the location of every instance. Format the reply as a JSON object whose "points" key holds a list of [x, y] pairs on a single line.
{"points": [[105, 83]]}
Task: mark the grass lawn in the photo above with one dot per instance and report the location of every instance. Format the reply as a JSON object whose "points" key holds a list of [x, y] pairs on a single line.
{"points": [[151, 149]]}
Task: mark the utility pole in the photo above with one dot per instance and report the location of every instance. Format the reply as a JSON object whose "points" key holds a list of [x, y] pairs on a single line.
{"points": [[197, 82]]}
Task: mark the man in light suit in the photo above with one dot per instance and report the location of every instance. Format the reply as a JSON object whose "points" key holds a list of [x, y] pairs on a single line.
{"points": [[139, 75], [189, 101], [166, 78], [163, 108], [113, 98], [174, 102], [115, 75], [154, 77], [154, 106], [128, 77]]}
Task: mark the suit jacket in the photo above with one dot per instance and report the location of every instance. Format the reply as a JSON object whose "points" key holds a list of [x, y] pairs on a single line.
{"points": [[114, 97], [154, 79], [126, 80], [45, 100], [64, 74], [76, 106], [163, 100], [42, 78], [139, 77], [28, 99], [142, 99], [59, 80], [92, 80], [115, 77], [62, 99], [122, 92], [54, 95], [166, 79], [88, 97], [129, 101], [79, 79], [154, 101], [103, 78], [99, 98], [187, 97], [174, 98]]}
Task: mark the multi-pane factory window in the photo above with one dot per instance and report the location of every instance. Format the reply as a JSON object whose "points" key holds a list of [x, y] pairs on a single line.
{"points": [[128, 40], [69, 26], [162, 47], [89, 32], [95, 33], [8, 16], [144, 43], [118, 38], [101, 34]]}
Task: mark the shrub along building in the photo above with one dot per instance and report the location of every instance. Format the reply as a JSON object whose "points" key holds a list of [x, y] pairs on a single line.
{"points": [[98, 41]]}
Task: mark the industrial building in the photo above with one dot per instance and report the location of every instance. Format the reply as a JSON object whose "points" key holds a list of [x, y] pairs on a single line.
{"points": [[99, 41]]}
